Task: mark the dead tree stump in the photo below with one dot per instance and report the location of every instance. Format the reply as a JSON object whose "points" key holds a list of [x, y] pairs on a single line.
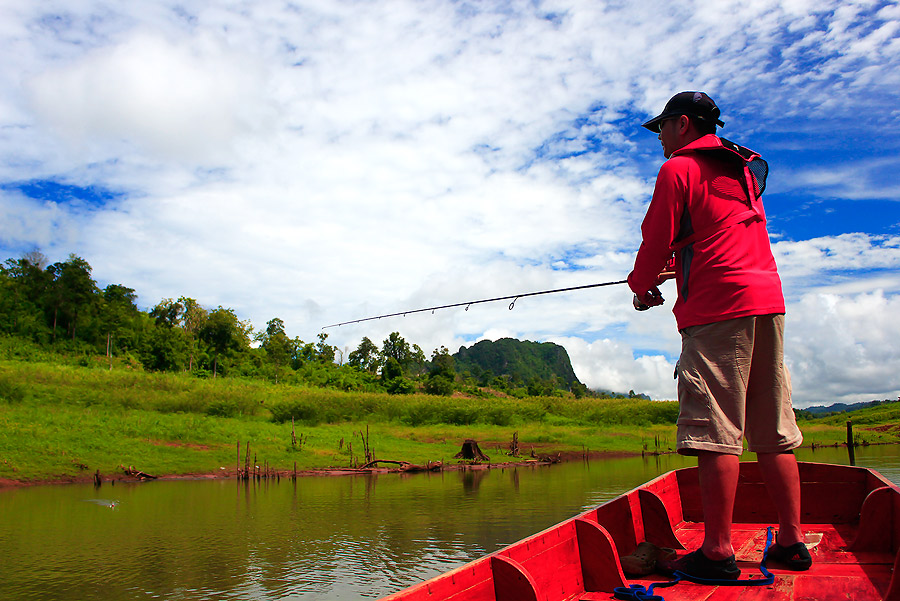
{"points": [[471, 452], [514, 445], [136, 473]]}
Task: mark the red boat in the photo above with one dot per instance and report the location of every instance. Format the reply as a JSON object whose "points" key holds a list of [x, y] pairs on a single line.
{"points": [[851, 516]]}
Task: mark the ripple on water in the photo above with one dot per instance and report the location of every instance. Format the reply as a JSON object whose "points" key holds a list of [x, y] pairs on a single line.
{"points": [[331, 539]]}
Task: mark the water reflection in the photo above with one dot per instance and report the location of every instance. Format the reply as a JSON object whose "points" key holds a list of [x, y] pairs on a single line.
{"points": [[317, 538]]}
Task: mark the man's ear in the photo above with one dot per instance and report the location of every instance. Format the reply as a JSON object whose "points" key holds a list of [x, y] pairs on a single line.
{"points": [[684, 124]]}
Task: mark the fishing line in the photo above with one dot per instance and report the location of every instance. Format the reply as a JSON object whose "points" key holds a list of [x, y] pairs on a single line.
{"points": [[467, 304]]}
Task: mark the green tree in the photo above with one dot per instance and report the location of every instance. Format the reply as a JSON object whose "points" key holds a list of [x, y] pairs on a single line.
{"points": [[442, 374], [279, 348], [410, 358], [24, 290], [167, 313], [164, 348], [442, 363], [393, 380], [117, 314], [541, 387], [324, 352], [193, 317], [401, 385], [580, 390], [304, 352], [416, 364], [395, 347], [185, 314], [225, 335], [365, 356], [391, 370], [73, 291]]}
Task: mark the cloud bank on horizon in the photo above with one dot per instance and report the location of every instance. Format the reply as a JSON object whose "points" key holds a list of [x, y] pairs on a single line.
{"points": [[325, 160]]}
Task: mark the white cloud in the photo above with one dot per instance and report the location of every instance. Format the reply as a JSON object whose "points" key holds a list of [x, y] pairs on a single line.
{"points": [[846, 260], [844, 348], [853, 179], [325, 161], [611, 365], [28, 223], [177, 101]]}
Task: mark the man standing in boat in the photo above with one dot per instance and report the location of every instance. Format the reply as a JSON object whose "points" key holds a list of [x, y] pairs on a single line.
{"points": [[706, 227]]}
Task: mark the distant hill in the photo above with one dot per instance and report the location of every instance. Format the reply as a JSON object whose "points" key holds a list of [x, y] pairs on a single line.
{"points": [[519, 360], [621, 395], [822, 410]]}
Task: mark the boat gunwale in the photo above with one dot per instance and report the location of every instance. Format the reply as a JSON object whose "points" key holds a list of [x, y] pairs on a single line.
{"points": [[867, 479]]}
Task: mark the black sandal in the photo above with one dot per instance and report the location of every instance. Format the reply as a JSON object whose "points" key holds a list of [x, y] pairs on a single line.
{"points": [[795, 557], [698, 565]]}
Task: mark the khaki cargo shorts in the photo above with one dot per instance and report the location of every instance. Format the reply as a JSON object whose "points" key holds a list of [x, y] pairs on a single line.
{"points": [[732, 382]]}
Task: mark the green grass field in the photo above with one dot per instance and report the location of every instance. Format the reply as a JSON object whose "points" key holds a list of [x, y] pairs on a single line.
{"points": [[68, 421]]}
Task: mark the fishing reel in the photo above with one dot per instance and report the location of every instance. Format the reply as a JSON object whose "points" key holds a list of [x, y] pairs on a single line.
{"points": [[652, 298]]}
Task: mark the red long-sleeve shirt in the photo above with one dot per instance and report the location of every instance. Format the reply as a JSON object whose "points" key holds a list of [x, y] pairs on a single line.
{"points": [[723, 260]]}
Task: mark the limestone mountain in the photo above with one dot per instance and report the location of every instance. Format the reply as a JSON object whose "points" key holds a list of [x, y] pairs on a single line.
{"points": [[521, 361]]}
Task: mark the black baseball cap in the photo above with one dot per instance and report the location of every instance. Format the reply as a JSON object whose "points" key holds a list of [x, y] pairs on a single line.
{"points": [[693, 104]]}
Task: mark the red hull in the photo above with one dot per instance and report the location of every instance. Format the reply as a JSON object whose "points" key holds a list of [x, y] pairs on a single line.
{"points": [[855, 509]]}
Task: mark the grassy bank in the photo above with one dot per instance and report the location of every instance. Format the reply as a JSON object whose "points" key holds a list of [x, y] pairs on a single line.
{"points": [[67, 421]]}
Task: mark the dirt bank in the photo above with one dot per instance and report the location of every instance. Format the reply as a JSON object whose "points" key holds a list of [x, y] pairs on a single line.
{"points": [[544, 459]]}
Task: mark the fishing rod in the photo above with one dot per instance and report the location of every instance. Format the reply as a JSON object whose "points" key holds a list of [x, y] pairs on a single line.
{"points": [[468, 304]]}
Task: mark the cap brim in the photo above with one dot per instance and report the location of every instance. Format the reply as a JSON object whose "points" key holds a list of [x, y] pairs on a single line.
{"points": [[653, 124]]}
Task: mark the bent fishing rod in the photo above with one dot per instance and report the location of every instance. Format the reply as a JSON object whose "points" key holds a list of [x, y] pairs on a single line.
{"points": [[468, 304]]}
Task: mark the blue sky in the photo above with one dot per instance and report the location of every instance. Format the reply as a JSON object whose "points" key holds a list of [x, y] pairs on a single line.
{"points": [[322, 161]]}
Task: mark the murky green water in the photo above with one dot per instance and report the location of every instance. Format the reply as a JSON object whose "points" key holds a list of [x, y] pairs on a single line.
{"points": [[332, 538]]}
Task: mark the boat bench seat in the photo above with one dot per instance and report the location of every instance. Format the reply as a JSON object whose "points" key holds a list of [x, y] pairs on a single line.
{"points": [[856, 511]]}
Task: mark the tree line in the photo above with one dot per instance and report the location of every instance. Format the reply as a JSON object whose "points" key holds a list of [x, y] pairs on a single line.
{"points": [[59, 306]]}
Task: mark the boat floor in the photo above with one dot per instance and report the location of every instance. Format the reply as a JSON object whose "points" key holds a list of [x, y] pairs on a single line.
{"points": [[836, 573]]}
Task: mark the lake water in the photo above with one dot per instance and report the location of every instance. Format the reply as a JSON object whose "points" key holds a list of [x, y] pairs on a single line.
{"points": [[334, 538]]}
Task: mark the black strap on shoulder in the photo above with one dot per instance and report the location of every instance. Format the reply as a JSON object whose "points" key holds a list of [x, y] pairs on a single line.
{"points": [[742, 156], [758, 167], [744, 160]]}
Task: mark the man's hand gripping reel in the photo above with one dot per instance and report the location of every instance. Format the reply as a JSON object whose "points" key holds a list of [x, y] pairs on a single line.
{"points": [[651, 298]]}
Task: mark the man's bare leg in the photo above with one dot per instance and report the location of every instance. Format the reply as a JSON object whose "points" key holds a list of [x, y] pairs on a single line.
{"points": [[718, 485], [782, 480]]}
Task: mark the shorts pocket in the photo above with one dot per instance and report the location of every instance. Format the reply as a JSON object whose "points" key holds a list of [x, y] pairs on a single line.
{"points": [[693, 400]]}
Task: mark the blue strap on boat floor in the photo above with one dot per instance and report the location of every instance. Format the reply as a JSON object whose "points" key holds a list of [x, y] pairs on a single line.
{"points": [[637, 592]]}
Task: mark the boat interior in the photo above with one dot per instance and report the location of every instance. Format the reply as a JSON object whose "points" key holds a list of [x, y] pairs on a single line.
{"points": [[851, 517]]}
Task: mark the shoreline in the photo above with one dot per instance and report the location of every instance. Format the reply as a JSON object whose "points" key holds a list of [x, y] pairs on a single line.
{"points": [[232, 474], [545, 459]]}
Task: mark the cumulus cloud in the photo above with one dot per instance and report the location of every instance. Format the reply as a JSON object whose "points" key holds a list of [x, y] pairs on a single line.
{"points": [[849, 260], [178, 101], [855, 179], [26, 223], [843, 347], [612, 365], [326, 161]]}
